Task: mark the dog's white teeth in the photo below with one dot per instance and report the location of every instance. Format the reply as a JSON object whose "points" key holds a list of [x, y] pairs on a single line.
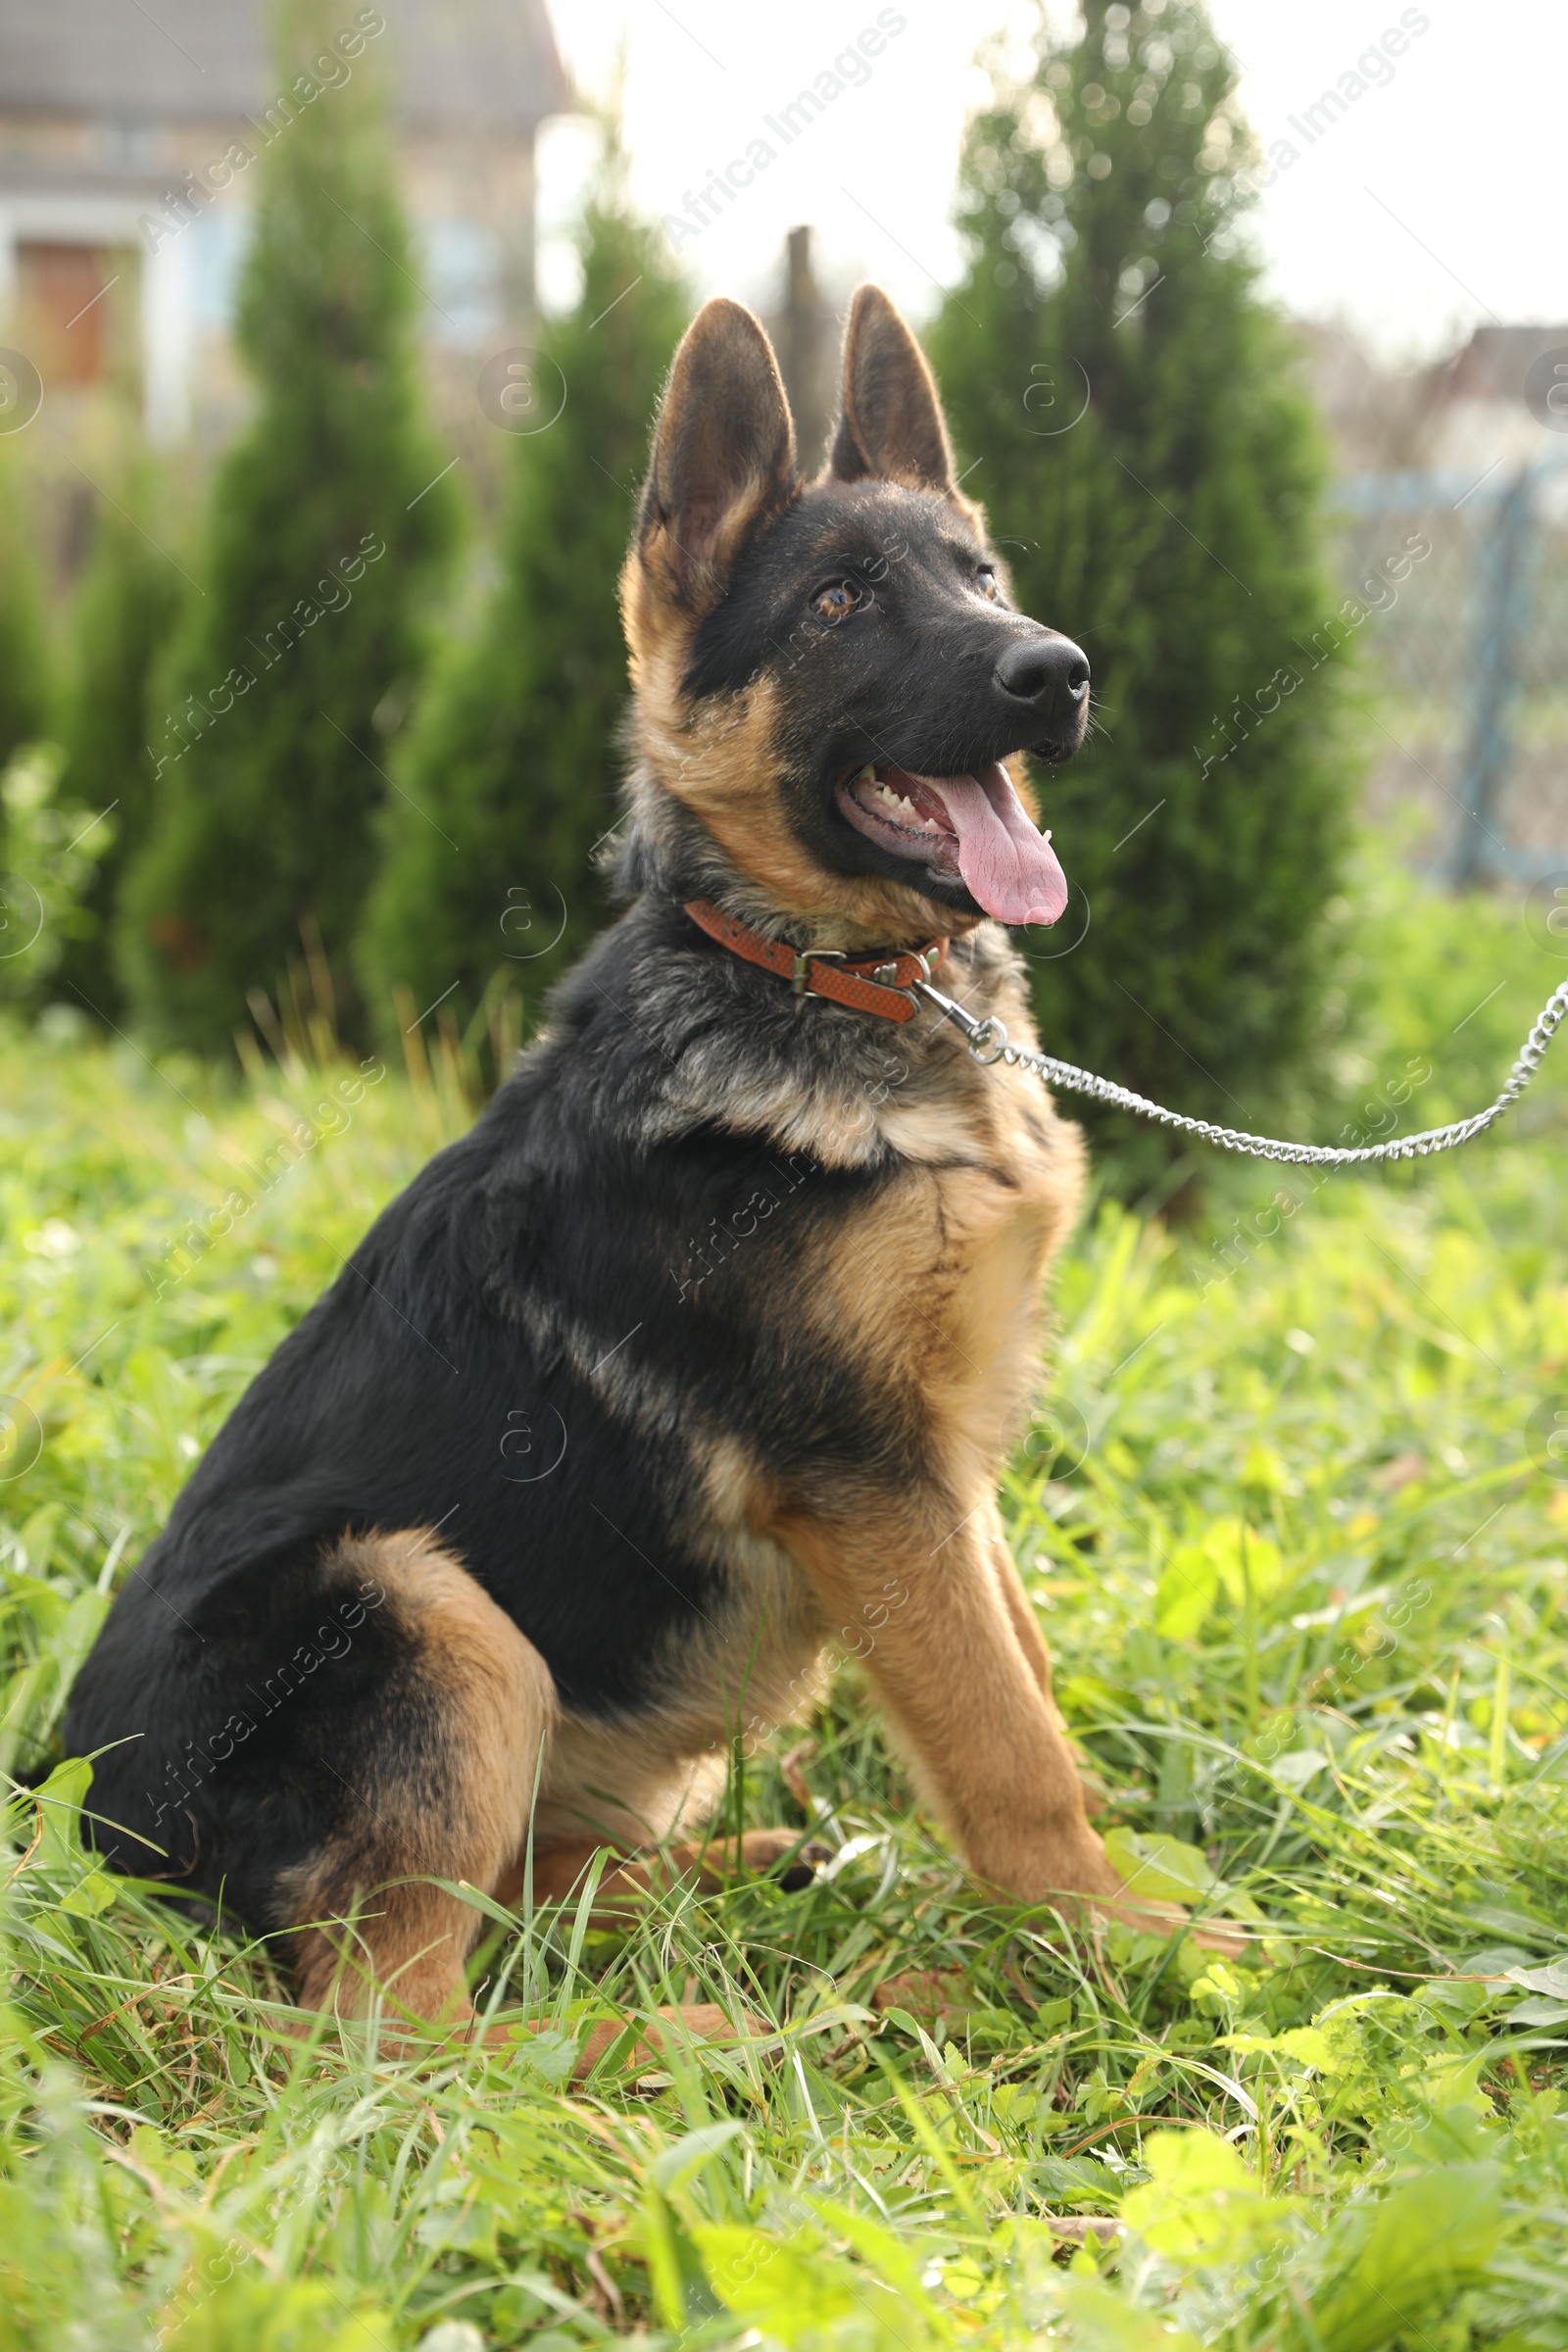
{"points": [[903, 808], [1046, 836], [866, 774]]}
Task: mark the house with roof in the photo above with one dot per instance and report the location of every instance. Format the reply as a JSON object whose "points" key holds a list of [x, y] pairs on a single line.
{"points": [[127, 138], [1502, 403]]}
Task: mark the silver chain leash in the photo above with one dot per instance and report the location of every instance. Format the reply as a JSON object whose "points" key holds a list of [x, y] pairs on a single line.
{"points": [[988, 1043]]}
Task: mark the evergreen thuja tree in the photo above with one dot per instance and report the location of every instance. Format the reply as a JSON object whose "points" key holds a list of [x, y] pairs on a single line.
{"points": [[1154, 473], [24, 645], [127, 611], [507, 781], [326, 522]]}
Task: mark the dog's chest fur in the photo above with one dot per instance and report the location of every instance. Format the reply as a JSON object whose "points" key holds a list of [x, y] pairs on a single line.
{"points": [[921, 1285], [931, 1281]]}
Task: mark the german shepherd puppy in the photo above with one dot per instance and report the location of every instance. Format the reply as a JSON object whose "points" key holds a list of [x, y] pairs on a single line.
{"points": [[704, 1348]]}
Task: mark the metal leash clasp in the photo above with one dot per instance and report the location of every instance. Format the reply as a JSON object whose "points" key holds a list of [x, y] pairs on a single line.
{"points": [[979, 1035], [983, 1032]]}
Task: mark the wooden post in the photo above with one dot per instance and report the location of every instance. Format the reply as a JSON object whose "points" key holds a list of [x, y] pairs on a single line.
{"points": [[802, 335]]}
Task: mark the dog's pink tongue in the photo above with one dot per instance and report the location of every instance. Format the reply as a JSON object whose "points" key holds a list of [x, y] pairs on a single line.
{"points": [[1006, 863]]}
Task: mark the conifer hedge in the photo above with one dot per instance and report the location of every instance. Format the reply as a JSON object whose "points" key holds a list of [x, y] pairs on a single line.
{"points": [[1150, 460], [128, 607], [327, 523], [24, 644], [509, 781]]}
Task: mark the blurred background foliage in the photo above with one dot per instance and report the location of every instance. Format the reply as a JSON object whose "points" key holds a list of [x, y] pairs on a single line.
{"points": [[1166, 420], [509, 774], [396, 787], [26, 704], [131, 604], [329, 522]]}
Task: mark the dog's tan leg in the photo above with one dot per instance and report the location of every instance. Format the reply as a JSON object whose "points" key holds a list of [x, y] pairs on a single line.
{"points": [[437, 1785], [755, 1853], [964, 1691], [698, 2020], [967, 1688], [705, 1864], [1031, 1641], [441, 1787]]}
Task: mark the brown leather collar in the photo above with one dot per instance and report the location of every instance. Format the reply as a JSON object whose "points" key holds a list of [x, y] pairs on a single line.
{"points": [[873, 983]]}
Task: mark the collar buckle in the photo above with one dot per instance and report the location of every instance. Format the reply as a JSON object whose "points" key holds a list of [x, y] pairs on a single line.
{"points": [[800, 977], [882, 987]]}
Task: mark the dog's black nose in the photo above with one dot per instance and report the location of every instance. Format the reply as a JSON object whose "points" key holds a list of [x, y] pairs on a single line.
{"points": [[1048, 671]]}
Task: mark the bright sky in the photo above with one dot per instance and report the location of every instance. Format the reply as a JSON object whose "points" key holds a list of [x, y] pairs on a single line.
{"points": [[1434, 202]]}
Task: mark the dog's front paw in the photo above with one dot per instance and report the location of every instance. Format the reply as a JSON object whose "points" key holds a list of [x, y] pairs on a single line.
{"points": [[781, 1854], [1110, 1897], [1227, 1939], [796, 1875], [785, 1854], [1078, 1877]]}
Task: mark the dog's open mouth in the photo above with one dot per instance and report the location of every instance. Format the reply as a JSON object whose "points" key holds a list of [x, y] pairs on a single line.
{"points": [[972, 829]]}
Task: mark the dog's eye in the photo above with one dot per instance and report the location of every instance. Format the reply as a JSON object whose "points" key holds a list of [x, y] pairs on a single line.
{"points": [[832, 601], [985, 579]]}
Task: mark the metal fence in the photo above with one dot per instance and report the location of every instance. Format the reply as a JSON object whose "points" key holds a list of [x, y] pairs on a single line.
{"points": [[1463, 593]]}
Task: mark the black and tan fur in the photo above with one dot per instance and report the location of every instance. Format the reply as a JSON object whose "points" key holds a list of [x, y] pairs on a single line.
{"points": [[764, 1276]]}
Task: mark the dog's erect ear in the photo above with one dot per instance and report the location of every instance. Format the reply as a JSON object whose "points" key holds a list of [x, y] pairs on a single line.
{"points": [[723, 450], [890, 422]]}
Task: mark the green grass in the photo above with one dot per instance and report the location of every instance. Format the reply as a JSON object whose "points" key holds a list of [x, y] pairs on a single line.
{"points": [[1300, 1550]]}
